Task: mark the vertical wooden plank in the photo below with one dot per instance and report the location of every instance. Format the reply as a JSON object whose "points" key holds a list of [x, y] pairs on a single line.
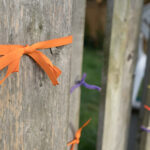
{"points": [[145, 115], [104, 73], [78, 19], [125, 24], [33, 113]]}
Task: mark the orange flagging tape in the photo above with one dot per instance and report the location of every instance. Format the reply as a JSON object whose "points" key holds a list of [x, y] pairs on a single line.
{"points": [[147, 107], [77, 136], [11, 55]]}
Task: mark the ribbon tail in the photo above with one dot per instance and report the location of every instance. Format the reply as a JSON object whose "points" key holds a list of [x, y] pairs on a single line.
{"points": [[72, 142], [94, 87], [74, 87], [53, 43], [147, 107], [13, 67], [145, 129], [85, 124], [72, 147], [5, 49], [57, 71], [10, 58], [52, 71]]}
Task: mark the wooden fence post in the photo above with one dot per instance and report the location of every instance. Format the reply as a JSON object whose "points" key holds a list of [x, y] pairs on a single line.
{"points": [[104, 73], [78, 19], [125, 24], [33, 113]]}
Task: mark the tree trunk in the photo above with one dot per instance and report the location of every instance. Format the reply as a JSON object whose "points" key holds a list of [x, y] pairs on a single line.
{"points": [[33, 113], [78, 20], [125, 24], [104, 73]]}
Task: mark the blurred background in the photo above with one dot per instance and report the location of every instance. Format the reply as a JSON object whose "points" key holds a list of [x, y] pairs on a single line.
{"points": [[93, 62]]}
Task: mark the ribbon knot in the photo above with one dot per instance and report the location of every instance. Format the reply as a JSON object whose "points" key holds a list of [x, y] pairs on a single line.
{"points": [[147, 129], [76, 139], [27, 49], [11, 55], [83, 83]]}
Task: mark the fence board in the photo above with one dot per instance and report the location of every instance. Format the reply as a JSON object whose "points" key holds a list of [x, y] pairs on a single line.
{"points": [[33, 113], [125, 24]]}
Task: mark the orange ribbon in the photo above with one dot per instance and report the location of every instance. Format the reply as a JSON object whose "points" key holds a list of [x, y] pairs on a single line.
{"points": [[147, 107], [11, 55], [77, 136]]}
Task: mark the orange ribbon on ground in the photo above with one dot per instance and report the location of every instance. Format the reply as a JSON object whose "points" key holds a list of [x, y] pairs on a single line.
{"points": [[77, 136], [11, 55]]}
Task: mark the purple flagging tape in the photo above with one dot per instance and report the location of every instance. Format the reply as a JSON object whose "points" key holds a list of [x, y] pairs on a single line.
{"points": [[145, 129], [83, 83]]}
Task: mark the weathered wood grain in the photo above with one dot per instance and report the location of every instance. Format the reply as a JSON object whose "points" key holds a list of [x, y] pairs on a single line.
{"points": [[125, 24], [104, 73], [33, 113], [78, 19]]}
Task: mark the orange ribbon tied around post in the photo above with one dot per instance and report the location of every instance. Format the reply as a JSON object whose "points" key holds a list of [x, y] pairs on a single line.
{"points": [[11, 55], [77, 136]]}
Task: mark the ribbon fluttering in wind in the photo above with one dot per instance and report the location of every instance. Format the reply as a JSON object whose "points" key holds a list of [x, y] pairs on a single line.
{"points": [[76, 140], [83, 83], [147, 107], [11, 55], [145, 129]]}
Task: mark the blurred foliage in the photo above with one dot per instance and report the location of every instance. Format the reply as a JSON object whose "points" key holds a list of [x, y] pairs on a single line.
{"points": [[92, 65], [93, 43]]}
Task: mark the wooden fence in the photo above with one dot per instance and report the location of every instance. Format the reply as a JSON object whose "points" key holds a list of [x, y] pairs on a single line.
{"points": [[34, 115]]}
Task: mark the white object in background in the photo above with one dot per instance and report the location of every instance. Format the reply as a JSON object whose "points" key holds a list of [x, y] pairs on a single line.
{"points": [[139, 73], [142, 57]]}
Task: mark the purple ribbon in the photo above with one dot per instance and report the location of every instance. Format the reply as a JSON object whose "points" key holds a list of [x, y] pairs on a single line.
{"points": [[145, 129], [82, 82]]}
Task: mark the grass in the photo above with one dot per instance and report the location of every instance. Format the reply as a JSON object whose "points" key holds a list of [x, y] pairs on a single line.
{"points": [[92, 65]]}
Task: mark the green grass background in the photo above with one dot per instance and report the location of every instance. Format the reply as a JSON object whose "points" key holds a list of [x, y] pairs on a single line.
{"points": [[92, 65]]}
